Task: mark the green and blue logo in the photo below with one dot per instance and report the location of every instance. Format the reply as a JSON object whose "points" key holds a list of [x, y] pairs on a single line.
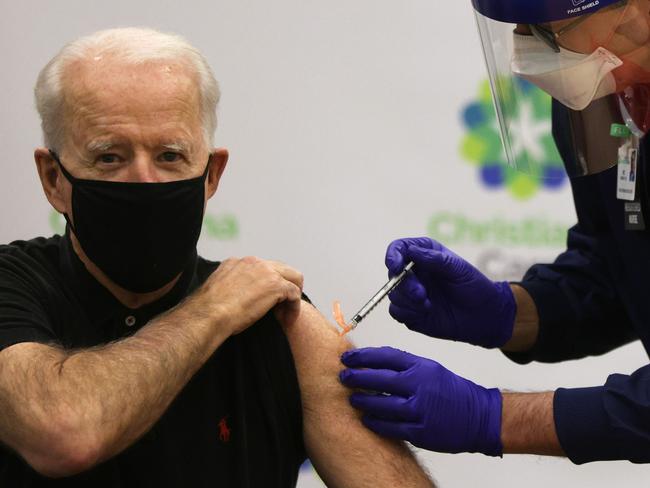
{"points": [[482, 146]]}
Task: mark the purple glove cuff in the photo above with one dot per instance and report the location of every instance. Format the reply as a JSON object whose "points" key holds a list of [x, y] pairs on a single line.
{"points": [[507, 316], [489, 442]]}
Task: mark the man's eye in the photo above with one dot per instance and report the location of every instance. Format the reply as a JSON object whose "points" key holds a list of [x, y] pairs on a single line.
{"points": [[108, 158], [170, 157]]}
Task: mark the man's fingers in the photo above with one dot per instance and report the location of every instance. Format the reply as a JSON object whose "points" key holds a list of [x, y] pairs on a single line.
{"points": [[288, 311], [227, 264], [292, 292], [288, 273]]}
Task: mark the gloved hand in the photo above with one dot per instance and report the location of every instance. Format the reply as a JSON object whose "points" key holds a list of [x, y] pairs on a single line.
{"points": [[420, 401], [447, 297]]}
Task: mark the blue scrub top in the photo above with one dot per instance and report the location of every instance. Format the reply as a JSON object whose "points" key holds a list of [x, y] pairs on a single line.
{"points": [[594, 298]]}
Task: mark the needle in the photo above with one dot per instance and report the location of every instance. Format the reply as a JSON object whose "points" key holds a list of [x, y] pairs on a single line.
{"points": [[379, 296]]}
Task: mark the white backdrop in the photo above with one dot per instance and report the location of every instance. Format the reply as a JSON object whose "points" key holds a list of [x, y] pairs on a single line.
{"points": [[344, 122]]}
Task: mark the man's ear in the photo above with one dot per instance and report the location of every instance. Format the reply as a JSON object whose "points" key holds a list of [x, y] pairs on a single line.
{"points": [[55, 187], [218, 161]]}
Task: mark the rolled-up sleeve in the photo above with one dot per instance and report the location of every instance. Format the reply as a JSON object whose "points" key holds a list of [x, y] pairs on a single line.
{"points": [[609, 422], [580, 312]]}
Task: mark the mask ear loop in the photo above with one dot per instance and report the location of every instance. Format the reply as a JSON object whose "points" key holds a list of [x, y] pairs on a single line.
{"points": [[70, 178], [65, 172], [544, 35], [207, 168]]}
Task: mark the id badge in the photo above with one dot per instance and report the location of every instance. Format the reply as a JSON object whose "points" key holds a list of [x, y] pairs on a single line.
{"points": [[628, 155]]}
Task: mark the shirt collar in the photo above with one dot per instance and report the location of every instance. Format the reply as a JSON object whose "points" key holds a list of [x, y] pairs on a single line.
{"points": [[101, 305]]}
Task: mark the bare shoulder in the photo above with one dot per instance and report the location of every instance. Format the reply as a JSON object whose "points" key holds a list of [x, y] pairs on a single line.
{"points": [[316, 347], [343, 451], [310, 324]]}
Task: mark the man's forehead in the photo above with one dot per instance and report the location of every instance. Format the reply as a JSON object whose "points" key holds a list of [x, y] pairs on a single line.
{"points": [[94, 77], [106, 100]]}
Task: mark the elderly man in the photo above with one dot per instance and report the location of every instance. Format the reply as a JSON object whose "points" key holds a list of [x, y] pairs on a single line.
{"points": [[126, 359]]}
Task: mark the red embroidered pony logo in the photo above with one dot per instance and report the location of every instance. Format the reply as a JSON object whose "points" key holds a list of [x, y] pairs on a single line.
{"points": [[224, 431]]}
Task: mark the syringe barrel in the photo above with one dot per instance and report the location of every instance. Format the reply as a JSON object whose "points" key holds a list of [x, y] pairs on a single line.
{"points": [[380, 295]]}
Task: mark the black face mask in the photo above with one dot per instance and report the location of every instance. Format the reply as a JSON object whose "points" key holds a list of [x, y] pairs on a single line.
{"points": [[141, 235]]}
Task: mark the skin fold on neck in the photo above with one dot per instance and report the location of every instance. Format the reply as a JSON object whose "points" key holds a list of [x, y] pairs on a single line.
{"points": [[125, 297]]}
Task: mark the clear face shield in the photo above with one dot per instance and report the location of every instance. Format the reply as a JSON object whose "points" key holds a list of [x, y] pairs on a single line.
{"points": [[592, 56]]}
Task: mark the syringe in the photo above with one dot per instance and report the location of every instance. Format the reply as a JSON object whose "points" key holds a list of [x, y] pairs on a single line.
{"points": [[379, 296]]}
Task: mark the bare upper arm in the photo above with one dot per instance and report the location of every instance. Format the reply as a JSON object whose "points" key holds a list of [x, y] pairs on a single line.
{"points": [[343, 451]]}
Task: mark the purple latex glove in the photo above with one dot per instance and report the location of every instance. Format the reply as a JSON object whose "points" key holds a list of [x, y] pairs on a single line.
{"points": [[447, 297], [420, 401]]}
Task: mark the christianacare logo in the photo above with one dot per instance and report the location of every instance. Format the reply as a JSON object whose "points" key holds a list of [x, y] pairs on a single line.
{"points": [[482, 147]]}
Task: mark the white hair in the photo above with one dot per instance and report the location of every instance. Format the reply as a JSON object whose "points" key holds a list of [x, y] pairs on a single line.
{"points": [[131, 45]]}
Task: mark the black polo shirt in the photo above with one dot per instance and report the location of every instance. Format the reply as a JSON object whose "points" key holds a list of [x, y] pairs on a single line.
{"points": [[237, 423]]}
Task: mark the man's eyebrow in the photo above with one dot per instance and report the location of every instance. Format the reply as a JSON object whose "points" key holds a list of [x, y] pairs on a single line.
{"points": [[178, 146], [100, 146]]}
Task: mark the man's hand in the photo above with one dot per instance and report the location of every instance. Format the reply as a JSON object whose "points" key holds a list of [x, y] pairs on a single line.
{"points": [[447, 297], [420, 401], [242, 291]]}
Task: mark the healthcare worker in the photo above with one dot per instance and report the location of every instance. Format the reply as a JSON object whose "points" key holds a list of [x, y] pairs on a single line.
{"points": [[593, 58]]}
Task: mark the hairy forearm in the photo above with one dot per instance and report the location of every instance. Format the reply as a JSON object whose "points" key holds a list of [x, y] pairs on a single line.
{"points": [[528, 426], [526, 327], [127, 385], [102, 399]]}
